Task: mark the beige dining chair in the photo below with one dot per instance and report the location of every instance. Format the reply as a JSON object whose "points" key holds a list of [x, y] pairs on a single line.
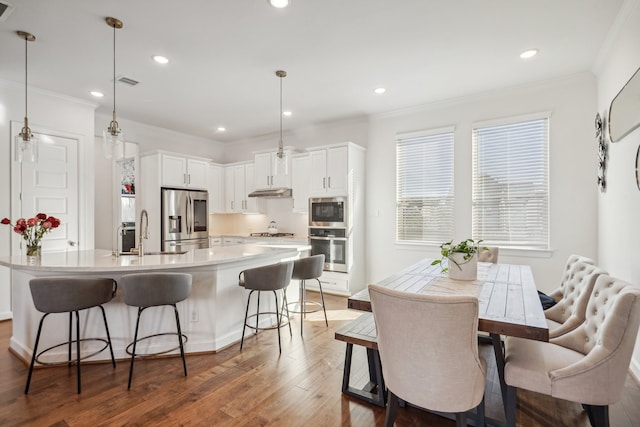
{"points": [[587, 365], [429, 352], [569, 311], [488, 254], [558, 293]]}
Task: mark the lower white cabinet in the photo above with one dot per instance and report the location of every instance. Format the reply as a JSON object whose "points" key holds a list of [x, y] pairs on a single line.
{"points": [[332, 283]]}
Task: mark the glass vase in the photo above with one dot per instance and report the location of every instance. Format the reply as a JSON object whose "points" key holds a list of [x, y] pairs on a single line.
{"points": [[34, 254]]}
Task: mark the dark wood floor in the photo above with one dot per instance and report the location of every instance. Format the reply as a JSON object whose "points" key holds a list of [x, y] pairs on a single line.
{"points": [[254, 387]]}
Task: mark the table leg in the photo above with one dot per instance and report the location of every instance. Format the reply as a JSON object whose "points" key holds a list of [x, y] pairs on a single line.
{"points": [[498, 351]]}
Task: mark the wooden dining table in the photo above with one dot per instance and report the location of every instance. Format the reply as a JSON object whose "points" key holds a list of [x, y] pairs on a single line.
{"points": [[508, 301]]}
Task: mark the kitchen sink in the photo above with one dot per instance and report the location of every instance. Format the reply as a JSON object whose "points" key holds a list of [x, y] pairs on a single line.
{"points": [[154, 253]]}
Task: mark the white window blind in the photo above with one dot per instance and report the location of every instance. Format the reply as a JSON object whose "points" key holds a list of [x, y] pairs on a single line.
{"points": [[511, 184], [424, 187]]}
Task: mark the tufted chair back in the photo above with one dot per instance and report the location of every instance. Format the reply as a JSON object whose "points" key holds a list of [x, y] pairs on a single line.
{"points": [[569, 312], [559, 292], [606, 338]]}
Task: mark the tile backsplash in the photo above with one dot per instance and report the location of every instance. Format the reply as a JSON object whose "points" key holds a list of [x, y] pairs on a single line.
{"points": [[278, 210]]}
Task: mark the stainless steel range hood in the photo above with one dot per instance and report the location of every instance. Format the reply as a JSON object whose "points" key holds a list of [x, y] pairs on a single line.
{"points": [[273, 193]]}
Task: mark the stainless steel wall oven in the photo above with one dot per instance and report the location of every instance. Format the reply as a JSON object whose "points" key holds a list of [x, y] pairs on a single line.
{"points": [[334, 244]]}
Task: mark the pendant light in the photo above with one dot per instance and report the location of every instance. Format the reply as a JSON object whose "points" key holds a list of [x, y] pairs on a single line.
{"points": [[113, 137], [281, 160], [26, 142]]}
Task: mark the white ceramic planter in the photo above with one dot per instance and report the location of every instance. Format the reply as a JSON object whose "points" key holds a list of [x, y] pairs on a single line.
{"points": [[466, 269]]}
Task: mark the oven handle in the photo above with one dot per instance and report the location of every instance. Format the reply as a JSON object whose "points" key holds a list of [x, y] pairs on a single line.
{"points": [[344, 239]]}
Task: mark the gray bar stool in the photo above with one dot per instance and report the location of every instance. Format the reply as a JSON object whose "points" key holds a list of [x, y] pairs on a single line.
{"points": [[271, 278], [144, 290], [304, 269], [70, 295]]}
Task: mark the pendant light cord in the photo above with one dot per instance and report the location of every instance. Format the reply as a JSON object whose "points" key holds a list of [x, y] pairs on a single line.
{"points": [[114, 72], [26, 67], [280, 148]]}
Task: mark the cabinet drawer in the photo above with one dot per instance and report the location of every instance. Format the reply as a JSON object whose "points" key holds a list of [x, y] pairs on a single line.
{"points": [[331, 284]]}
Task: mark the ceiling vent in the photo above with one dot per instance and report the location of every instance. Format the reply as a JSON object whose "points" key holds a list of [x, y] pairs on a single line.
{"points": [[128, 81], [5, 10]]}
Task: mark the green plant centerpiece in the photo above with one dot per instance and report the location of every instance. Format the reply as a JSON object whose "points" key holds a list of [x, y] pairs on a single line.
{"points": [[462, 259]]}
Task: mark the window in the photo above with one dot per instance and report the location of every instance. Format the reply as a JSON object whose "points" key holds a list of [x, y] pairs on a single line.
{"points": [[424, 192], [511, 183]]}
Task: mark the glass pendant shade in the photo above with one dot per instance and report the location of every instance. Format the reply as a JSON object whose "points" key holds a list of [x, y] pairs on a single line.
{"points": [[112, 145], [281, 166], [26, 151]]}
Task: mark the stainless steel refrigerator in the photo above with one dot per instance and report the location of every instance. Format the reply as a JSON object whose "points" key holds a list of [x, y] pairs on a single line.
{"points": [[184, 220]]}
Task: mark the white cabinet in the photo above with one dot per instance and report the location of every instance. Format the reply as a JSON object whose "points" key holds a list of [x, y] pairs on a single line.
{"points": [[238, 183], [215, 186], [183, 172], [332, 283], [215, 241], [329, 171], [265, 173], [301, 182]]}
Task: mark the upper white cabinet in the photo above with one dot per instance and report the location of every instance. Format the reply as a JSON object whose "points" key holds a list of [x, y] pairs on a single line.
{"points": [[183, 172], [265, 174], [301, 182], [329, 171], [238, 183], [215, 185]]}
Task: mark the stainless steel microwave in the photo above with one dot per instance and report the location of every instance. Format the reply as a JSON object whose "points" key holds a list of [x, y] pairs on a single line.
{"points": [[328, 212]]}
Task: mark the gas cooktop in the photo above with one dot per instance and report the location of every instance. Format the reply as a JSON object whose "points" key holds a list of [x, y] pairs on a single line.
{"points": [[265, 234]]}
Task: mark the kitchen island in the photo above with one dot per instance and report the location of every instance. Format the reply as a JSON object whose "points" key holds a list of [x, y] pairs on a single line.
{"points": [[212, 317]]}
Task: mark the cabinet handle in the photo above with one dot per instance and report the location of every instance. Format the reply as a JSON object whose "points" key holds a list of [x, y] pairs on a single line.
{"points": [[324, 181], [184, 178], [272, 180], [232, 205], [329, 181], [267, 180], [189, 179]]}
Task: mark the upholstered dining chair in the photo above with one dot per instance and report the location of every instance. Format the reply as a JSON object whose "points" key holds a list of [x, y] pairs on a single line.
{"points": [[587, 365], [559, 292], [429, 352], [488, 254], [569, 311]]}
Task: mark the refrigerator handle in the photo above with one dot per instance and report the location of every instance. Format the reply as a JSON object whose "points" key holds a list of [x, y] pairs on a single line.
{"points": [[187, 220], [190, 217]]}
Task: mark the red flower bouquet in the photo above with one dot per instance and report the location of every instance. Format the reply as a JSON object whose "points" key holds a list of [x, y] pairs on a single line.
{"points": [[33, 230]]}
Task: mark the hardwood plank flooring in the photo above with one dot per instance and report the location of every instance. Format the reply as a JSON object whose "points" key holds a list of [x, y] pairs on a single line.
{"points": [[255, 387]]}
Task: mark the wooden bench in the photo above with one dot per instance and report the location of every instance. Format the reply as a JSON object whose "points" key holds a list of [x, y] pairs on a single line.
{"points": [[362, 332]]}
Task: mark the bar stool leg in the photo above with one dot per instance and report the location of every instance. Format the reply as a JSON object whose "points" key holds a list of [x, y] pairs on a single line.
{"points": [[246, 316], [133, 351], [323, 306], [70, 337], [257, 313], [278, 320], [285, 304], [106, 327], [303, 306], [78, 348], [35, 352], [184, 362]]}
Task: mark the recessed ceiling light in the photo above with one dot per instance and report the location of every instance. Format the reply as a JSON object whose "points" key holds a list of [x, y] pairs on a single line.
{"points": [[97, 94], [528, 53], [379, 90], [287, 113], [221, 129], [160, 59], [279, 3]]}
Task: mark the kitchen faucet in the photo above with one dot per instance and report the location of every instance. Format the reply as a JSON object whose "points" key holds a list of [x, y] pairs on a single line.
{"points": [[144, 232], [119, 232]]}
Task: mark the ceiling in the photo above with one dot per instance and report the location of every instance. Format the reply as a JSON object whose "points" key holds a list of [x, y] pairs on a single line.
{"points": [[224, 53]]}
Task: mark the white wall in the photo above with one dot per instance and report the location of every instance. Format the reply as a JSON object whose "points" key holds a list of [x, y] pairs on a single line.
{"points": [[57, 113], [573, 171], [618, 224]]}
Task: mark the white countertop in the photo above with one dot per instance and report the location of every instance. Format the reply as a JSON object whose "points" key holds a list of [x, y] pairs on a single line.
{"points": [[103, 260]]}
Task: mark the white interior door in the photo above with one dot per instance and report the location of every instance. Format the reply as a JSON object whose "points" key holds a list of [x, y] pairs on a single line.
{"points": [[50, 186]]}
